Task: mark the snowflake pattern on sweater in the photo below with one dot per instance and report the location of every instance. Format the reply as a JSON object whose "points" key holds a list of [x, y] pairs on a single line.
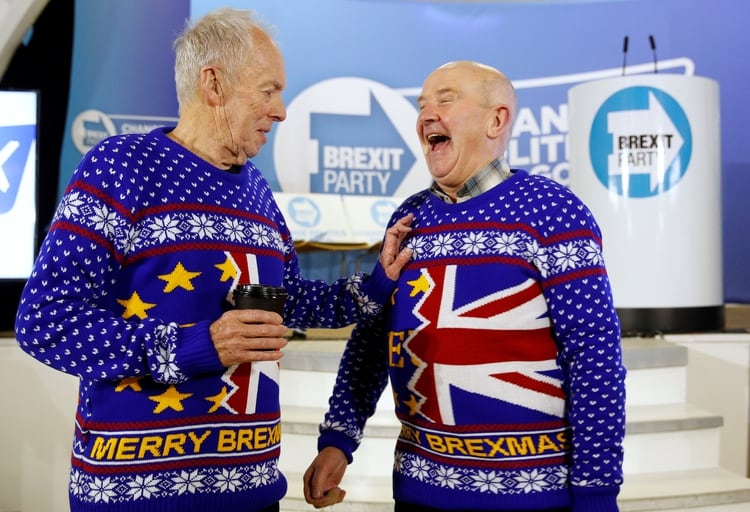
{"points": [[142, 256], [502, 347]]}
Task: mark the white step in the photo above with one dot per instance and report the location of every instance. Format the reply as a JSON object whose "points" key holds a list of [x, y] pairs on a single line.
{"points": [[657, 371]]}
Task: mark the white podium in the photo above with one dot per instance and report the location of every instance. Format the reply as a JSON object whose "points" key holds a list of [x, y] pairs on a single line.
{"points": [[645, 156]]}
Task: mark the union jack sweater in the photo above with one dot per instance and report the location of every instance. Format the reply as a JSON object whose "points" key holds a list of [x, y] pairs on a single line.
{"points": [[143, 253], [503, 350]]}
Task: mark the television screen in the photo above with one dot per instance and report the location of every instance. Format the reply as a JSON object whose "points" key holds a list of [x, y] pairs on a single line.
{"points": [[18, 175]]}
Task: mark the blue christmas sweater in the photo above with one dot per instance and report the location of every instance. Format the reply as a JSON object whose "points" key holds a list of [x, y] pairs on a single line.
{"points": [[142, 256], [503, 350]]}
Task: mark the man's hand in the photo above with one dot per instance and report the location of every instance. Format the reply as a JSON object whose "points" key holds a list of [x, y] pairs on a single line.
{"points": [[247, 335], [391, 258], [323, 476]]}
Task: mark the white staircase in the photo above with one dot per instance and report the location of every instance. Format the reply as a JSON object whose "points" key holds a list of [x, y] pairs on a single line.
{"points": [[672, 447]]}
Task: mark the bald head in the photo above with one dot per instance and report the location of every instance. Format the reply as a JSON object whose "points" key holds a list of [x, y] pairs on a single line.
{"points": [[492, 84]]}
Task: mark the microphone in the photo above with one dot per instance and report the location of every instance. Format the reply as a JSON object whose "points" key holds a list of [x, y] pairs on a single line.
{"points": [[653, 49], [624, 54]]}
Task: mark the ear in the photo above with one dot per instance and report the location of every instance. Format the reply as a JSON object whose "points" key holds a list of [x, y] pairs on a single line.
{"points": [[499, 121], [211, 87]]}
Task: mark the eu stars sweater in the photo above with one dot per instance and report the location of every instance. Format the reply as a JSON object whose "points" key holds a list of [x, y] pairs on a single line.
{"points": [[142, 256]]}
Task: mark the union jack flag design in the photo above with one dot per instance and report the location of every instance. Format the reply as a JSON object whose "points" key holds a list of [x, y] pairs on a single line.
{"points": [[470, 349], [247, 268], [249, 383]]}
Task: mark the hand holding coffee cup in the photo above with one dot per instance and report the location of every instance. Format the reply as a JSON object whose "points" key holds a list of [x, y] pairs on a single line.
{"points": [[258, 296]]}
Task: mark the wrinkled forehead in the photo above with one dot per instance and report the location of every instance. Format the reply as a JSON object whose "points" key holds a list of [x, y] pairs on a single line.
{"points": [[266, 63], [445, 80]]}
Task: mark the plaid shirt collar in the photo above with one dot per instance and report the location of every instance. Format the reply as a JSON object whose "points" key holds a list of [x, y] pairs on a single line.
{"points": [[492, 174]]}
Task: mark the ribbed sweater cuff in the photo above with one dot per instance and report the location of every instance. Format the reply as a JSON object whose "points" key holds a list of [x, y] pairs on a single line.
{"points": [[341, 441], [197, 354], [595, 499], [378, 286]]}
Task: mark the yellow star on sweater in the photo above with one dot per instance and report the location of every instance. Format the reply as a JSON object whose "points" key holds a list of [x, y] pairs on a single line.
{"points": [[179, 277], [134, 306], [217, 399], [421, 284], [413, 405], [228, 270], [129, 382], [170, 399]]}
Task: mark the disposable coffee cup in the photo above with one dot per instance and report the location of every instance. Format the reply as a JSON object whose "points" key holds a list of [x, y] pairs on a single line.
{"points": [[258, 296]]}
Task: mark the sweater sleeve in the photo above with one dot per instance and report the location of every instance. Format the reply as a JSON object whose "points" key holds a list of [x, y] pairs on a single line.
{"points": [[361, 379], [587, 329], [318, 303], [66, 316]]}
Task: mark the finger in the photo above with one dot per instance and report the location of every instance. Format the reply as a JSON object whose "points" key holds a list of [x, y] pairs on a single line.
{"points": [[338, 495], [406, 219], [404, 256], [395, 235], [330, 497], [257, 316], [312, 488], [401, 227], [306, 485], [394, 268]]}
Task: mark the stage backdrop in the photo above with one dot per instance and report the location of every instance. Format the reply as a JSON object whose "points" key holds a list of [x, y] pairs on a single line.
{"points": [[355, 67]]}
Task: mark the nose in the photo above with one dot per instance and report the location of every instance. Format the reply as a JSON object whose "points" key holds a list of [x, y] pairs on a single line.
{"points": [[427, 113], [426, 116], [278, 111]]}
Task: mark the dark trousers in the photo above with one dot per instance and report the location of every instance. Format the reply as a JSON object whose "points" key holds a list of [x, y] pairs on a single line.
{"points": [[402, 506], [271, 508]]}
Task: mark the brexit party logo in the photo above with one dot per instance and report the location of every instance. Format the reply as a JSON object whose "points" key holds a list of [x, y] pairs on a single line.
{"points": [[17, 153], [640, 143], [381, 210], [91, 126], [304, 211], [349, 136]]}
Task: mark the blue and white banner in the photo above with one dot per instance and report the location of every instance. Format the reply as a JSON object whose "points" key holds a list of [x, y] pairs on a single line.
{"points": [[18, 176], [355, 68]]}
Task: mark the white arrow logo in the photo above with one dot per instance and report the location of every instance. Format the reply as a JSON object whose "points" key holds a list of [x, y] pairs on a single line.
{"points": [[644, 142], [5, 154]]}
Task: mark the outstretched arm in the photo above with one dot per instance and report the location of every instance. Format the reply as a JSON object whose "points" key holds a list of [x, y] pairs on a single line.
{"points": [[361, 379], [318, 303]]}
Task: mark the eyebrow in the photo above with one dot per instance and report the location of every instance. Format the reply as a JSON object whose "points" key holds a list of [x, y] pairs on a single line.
{"points": [[275, 84], [440, 92]]}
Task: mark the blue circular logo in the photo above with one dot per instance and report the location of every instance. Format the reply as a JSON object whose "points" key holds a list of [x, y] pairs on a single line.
{"points": [[304, 211], [640, 142], [381, 211]]}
